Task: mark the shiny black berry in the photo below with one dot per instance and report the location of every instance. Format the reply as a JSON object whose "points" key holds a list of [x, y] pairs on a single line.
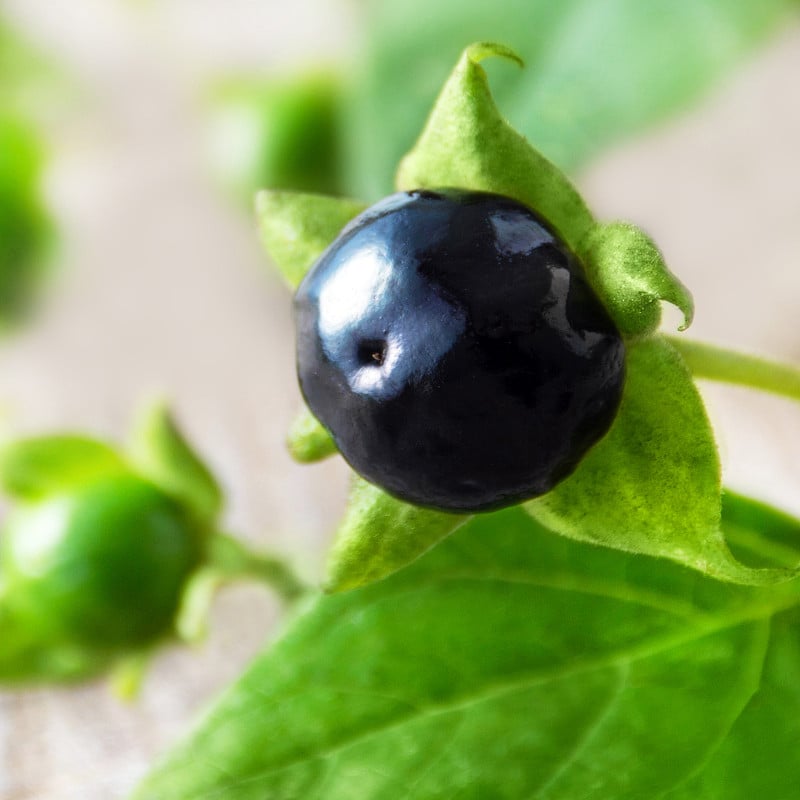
{"points": [[452, 346]]}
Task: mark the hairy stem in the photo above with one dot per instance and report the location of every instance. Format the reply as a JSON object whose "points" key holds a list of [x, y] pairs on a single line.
{"points": [[728, 366]]}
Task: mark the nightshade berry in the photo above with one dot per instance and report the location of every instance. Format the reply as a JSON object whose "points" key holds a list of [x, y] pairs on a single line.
{"points": [[101, 565], [452, 346]]}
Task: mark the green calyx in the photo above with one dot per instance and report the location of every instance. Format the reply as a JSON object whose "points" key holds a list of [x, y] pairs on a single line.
{"points": [[467, 143], [628, 273], [652, 485], [308, 441], [296, 228], [379, 534]]}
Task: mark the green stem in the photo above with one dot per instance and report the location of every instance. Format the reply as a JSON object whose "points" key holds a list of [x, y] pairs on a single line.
{"points": [[728, 366], [231, 558]]}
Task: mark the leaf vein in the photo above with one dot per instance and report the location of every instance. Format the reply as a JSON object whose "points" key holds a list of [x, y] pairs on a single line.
{"points": [[499, 689]]}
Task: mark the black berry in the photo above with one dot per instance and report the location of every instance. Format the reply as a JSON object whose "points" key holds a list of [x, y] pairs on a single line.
{"points": [[451, 344]]}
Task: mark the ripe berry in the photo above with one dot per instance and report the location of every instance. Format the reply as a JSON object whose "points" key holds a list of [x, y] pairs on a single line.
{"points": [[452, 346]]}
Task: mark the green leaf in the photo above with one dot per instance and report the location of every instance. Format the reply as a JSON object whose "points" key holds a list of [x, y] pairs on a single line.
{"points": [[297, 228], [380, 535], [308, 440], [757, 534], [506, 663], [598, 72], [467, 143], [36, 467], [162, 454], [628, 272], [652, 485], [758, 757]]}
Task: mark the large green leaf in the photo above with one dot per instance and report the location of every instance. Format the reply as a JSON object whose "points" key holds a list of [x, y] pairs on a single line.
{"points": [[598, 70], [759, 757], [506, 663]]}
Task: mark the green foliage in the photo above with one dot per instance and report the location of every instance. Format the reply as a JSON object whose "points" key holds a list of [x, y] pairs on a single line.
{"points": [[97, 548], [296, 228], [381, 534], [307, 440], [488, 657], [467, 143], [505, 663], [652, 485], [160, 452], [598, 70], [24, 226], [628, 273], [284, 134], [33, 468]]}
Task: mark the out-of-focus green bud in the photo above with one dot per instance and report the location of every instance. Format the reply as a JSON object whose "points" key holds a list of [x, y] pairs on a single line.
{"points": [[281, 134], [24, 227], [98, 548], [102, 565], [107, 554]]}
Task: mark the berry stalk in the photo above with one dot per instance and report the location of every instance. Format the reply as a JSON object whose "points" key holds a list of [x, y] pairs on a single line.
{"points": [[728, 366]]}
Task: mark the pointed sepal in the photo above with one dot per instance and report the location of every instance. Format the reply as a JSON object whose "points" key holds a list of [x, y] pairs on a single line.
{"points": [[628, 272], [380, 535], [308, 441], [296, 228], [160, 452], [652, 485], [467, 143]]}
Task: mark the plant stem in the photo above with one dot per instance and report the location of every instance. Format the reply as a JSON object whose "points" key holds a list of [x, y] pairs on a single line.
{"points": [[231, 558], [728, 366]]}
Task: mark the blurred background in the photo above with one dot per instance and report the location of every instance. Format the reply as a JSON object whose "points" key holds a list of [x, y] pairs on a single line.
{"points": [[138, 130]]}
